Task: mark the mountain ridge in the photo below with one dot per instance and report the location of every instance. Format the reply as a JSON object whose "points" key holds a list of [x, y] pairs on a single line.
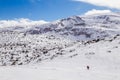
{"points": [[20, 45]]}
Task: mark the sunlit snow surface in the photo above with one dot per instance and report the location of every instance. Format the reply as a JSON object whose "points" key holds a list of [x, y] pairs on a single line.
{"points": [[104, 65], [62, 50]]}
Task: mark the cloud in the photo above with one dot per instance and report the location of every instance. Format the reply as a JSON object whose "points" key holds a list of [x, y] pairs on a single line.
{"points": [[94, 11], [106, 3], [20, 22]]}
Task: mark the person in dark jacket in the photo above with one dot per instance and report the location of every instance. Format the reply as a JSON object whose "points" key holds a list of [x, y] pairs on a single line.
{"points": [[88, 67]]}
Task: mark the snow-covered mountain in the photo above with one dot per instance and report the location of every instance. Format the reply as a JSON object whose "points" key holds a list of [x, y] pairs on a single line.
{"points": [[76, 48], [20, 45]]}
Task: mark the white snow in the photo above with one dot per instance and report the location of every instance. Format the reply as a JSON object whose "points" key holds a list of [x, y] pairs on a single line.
{"points": [[62, 50], [103, 65]]}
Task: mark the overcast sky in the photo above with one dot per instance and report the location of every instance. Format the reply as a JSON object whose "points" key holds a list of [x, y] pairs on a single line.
{"points": [[51, 10]]}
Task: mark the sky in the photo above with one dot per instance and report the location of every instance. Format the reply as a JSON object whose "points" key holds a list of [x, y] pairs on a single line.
{"points": [[50, 10]]}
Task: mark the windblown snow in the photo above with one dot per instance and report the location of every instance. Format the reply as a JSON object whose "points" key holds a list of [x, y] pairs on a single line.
{"points": [[75, 48]]}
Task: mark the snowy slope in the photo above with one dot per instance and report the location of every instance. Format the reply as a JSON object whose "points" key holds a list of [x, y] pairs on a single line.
{"points": [[48, 41], [62, 50], [102, 58]]}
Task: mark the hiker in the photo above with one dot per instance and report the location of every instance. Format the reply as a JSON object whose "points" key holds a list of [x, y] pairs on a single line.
{"points": [[88, 67]]}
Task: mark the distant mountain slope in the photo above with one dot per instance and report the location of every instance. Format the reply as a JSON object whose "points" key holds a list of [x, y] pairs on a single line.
{"points": [[20, 45]]}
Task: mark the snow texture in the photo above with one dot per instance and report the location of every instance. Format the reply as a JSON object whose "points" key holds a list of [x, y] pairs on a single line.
{"points": [[74, 48]]}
